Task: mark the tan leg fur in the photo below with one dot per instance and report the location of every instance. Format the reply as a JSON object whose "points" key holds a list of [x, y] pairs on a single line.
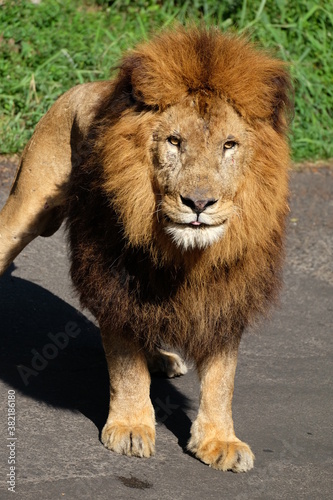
{"points": [[34, 206], [213, 438], [130, 427]]}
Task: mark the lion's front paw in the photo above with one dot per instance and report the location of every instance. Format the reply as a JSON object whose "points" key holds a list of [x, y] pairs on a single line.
{"points": [[133, 441], [224, 455]]}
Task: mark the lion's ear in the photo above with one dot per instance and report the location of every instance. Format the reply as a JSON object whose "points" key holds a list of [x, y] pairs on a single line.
{"points": [[130, 67], [282, 101], [152, 82], [141, 82]]}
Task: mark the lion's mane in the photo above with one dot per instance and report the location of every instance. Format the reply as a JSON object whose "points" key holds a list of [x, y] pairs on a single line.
{"points": [[126, 270]]}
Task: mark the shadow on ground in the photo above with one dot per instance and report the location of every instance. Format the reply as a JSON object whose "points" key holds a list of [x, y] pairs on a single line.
{"points": [[51, 352]]}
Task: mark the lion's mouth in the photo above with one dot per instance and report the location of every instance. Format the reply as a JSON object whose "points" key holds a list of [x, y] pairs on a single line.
{"points": [[193, 224], [194, 234]]}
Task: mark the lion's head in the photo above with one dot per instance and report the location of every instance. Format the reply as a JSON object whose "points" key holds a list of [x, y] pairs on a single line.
{"points": [[198, 157], [193, 144]]}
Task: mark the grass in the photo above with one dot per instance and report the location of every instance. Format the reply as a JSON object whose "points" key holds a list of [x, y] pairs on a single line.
{"points": [[47, 48]]}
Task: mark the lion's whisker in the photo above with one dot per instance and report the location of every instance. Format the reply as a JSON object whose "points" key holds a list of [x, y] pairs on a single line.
{"points": [[156, 212]]}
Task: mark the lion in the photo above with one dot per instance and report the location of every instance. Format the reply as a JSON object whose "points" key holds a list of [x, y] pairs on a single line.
{"points": [[173, 180]]}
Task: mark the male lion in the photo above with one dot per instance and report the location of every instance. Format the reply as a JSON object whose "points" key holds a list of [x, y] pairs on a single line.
{"points": [[173, 179]]}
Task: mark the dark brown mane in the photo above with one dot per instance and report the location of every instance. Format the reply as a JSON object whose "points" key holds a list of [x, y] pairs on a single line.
{"points": [[127, 273]]}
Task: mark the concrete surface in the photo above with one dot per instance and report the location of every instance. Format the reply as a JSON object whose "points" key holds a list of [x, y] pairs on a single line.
{"points": [[283, 394]]}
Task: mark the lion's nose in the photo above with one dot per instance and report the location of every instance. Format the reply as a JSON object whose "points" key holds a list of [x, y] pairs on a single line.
{"points": [[197, 206]]}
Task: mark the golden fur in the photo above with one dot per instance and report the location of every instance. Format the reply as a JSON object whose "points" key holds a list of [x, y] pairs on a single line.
{"points": [[176, 201]]}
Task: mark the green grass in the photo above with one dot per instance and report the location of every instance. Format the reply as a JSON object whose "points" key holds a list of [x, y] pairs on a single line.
{"points": [[49, 47]]}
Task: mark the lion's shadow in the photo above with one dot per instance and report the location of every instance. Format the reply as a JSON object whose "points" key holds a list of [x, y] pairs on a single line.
{"points": [[52, 353]]}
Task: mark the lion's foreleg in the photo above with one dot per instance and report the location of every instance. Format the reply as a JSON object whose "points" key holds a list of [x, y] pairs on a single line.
{"points": [[213, 438], [130, 427]]}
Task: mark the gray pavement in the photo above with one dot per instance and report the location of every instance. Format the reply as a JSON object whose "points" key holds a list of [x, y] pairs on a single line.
{"points": [[283, 404]]}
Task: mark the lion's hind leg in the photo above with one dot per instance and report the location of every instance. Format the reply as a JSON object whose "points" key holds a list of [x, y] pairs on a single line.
{"points": [[167, 363], [35, 206], [30, 211], [35, 203]]}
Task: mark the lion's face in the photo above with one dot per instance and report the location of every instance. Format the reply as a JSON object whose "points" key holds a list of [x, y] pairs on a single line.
{"points": [[200, 152]]}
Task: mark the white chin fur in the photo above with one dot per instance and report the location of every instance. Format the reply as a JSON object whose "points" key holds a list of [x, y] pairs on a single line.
{"points": [[188, 238]]}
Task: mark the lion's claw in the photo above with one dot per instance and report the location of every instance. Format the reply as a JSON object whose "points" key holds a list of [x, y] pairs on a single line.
{"points": [[224, 455], [133, 441]]}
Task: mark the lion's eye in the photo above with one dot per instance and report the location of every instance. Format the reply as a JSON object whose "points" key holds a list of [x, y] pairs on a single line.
{"points": [[174, 140], [229, 145]]}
